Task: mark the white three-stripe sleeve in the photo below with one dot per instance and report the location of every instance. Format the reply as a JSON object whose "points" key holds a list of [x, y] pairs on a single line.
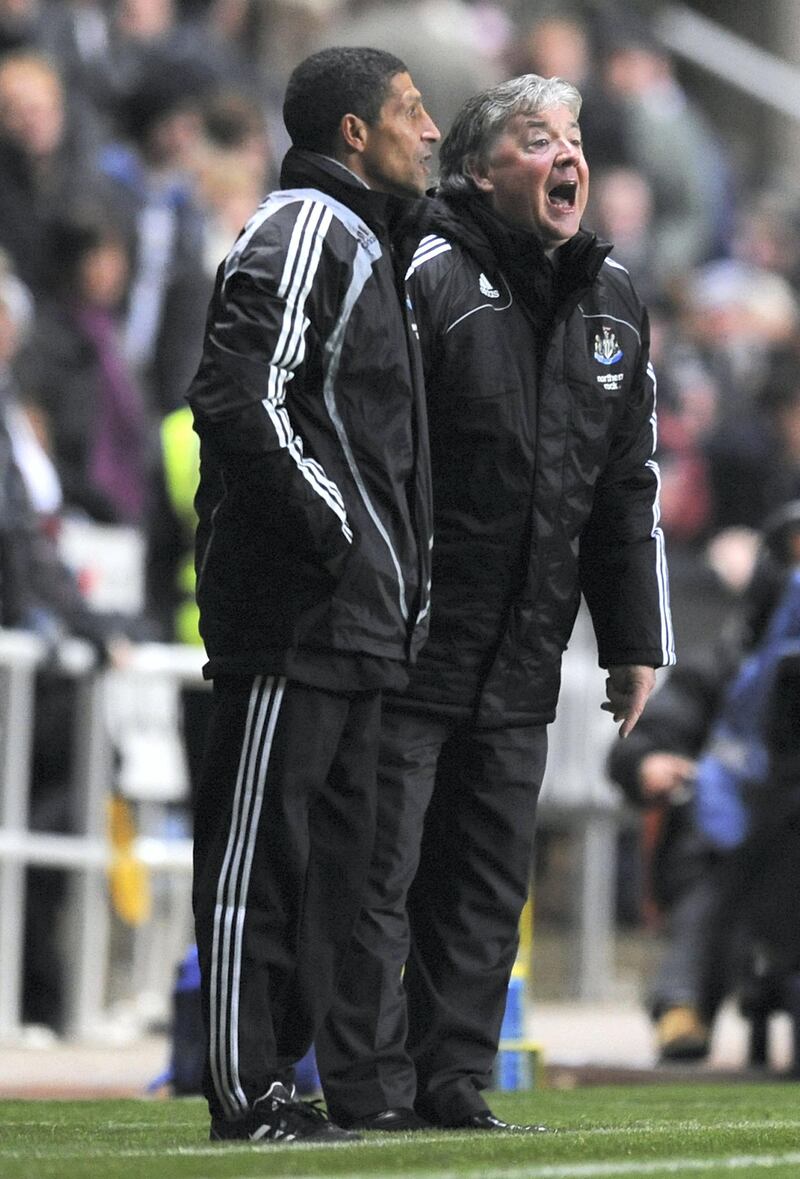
{"points": [[662, 576], [297, 278]]}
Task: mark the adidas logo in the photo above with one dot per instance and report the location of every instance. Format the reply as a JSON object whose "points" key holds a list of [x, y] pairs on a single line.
{"points": [[487, 290]]}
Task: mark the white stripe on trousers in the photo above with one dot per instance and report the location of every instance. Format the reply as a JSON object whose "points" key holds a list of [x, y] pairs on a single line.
{"points": [[266, 695]]}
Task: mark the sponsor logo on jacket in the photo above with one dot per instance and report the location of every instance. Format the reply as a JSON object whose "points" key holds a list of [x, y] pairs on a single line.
{"points": [[606, 348], [607, 352]]}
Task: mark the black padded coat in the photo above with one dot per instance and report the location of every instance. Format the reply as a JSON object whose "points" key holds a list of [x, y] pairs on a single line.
{"points": [[541, 403]]}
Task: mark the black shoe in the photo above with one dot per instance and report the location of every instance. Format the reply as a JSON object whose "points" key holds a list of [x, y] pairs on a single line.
{"points": [[390, 1120], [485, 1120], [279, 1117]]}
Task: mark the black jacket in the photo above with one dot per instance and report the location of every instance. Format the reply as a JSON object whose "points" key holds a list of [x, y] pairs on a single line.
{"points": [[541, 413], [314, 499]]}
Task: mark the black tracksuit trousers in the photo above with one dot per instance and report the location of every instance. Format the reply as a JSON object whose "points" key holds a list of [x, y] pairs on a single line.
{"points": [[284, 828], [428, 1038]]}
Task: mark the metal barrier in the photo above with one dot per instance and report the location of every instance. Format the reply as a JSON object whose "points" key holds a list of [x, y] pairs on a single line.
{"points": [[86, 854], [575, 795]]}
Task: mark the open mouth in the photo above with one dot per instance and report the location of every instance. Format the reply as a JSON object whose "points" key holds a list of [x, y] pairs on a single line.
{"points": [[563, 195]]}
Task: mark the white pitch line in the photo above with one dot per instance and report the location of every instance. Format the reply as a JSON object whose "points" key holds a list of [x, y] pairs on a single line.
{"points": [[605, 1170], [589, 1170]]}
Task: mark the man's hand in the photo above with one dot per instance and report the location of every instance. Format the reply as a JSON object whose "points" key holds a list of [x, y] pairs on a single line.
{"points": [[627, 688], [663, 776]]}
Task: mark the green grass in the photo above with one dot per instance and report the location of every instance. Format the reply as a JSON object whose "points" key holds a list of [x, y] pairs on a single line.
{"points": [[661, 1130]]}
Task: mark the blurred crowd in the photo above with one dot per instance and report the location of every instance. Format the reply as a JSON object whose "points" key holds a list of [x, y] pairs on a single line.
{"points": [[136, 137]]}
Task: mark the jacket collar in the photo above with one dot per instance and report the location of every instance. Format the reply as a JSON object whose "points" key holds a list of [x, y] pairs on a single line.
{"points": [[547, 290], [388, 216]]}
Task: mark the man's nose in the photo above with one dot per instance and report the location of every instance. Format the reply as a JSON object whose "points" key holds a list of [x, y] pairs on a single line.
{"points": [[431, 131], [567, 153]]}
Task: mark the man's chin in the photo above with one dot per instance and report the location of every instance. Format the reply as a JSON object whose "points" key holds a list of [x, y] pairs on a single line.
{"points": [[554, 236]]}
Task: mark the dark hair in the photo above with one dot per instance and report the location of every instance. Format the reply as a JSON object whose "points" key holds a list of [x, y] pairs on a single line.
{"points": [[70, 236], [331, 84], [162, 87], [230, 117]]}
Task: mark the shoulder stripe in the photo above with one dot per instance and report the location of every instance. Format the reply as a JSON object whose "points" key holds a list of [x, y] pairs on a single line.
{"points": [[609, 261], [430, 247]]}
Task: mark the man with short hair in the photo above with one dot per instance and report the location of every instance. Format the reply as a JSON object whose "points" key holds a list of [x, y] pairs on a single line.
{"points": [[541, 405], [313, 572]]}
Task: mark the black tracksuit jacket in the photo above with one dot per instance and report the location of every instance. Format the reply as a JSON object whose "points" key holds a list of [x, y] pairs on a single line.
{"points": [[314, 499], [541, 404]]}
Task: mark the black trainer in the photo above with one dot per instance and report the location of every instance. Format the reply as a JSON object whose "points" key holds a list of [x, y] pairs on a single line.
{"points": [[279, 1116]]}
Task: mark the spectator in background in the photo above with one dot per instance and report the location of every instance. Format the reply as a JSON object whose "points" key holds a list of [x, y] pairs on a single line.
{"points": [[61, 30], [766, 234], [76, 379], [22, 24], [670, 143], [153, 170], [71, 33], [734, 316], [754, 457], [688, 412], [621, 210], [140, 30], [46, 161], [39, 594], [560, 42], [237, 132], [230, 193], [237, 33], [236, 169], [225, 39], [705, 890]]}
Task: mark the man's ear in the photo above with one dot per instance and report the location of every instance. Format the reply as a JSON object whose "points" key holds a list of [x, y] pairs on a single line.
{"points": [[479, 174], [354, 133]]}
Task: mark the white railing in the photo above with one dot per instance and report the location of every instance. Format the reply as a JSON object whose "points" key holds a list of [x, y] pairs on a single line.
{"points": [[87, 853], [575, 794]]}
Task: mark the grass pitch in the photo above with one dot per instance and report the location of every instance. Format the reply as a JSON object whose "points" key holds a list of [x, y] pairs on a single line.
{"points": [[706, 1130]]}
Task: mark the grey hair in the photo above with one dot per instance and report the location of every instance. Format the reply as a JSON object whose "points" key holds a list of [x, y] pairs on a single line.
{"points": [[483, 118]]}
